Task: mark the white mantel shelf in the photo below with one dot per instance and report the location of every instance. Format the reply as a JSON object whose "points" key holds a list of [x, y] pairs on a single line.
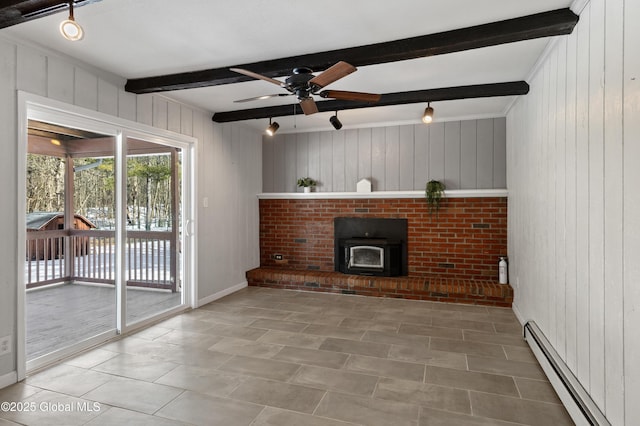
{"points": [[454, 193]]}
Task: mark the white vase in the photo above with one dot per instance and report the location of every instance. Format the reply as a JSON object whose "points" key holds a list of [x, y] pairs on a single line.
{"points": [[307, 189]]}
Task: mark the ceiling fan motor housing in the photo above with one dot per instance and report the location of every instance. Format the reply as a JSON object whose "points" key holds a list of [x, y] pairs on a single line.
{"points": [[298, 82]]}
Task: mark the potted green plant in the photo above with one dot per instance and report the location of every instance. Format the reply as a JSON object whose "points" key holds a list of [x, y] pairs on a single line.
{"points": [[434, 193], [306, 183]]}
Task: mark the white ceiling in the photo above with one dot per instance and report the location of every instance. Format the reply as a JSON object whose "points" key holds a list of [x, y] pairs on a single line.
{"points": [[143, 38]]}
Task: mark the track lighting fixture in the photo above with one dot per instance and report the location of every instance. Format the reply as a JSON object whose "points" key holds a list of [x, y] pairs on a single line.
{"points": [[69, 28], [427, 117], [273, 128], [335, 122]]}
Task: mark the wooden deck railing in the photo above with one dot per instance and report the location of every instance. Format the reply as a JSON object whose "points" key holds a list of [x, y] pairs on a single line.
{"points": [[150, 258]]}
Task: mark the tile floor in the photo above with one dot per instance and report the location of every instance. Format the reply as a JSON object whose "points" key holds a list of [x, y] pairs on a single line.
{"points": [[275, 357]]}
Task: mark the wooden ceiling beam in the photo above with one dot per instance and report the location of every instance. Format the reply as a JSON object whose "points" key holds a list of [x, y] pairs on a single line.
{"points": [[545, 24], [13, 12], [399, 98]]}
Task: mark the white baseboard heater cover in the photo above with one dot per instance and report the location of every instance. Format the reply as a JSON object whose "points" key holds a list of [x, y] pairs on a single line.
{"points": [[575, 398]]}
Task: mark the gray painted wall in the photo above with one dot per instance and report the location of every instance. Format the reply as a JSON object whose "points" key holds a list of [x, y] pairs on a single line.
{"points": [[574, 228], [229, 168], [468, 154]]}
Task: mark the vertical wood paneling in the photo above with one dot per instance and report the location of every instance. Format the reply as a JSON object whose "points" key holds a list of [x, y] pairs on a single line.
{"points": [[613, 213], [173, 117], [570, 204], [86, 89], [278, 164], [186, 120], [584, 151], [160, 112], [60, 80], [421, 158], [484, 162], [351, 160], [326, 162], [268, 169], [127, 103], [313, 150], [364, 154], [436, 151], [144, 109], [631, 242], [596, 200], [107, 98], [582, 199], [499, 153], [378, 155], [392, 158], [339, 161], [468, 155], [406, 157], [302, 153], [452, 154], [32, 71], [290, 166]]}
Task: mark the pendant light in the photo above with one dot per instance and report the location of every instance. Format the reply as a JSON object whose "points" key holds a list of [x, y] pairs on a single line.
{"points": [[273, 128], [427, 117], [335, 122], [69, 28]]}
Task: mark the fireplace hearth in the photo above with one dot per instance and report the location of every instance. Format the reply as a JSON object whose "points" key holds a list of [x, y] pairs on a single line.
{"points": [[370, 246]]}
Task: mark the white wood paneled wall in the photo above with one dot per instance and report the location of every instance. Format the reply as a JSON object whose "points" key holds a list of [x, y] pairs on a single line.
{"points": [[574, 229], [229, 167], [463, 154]]}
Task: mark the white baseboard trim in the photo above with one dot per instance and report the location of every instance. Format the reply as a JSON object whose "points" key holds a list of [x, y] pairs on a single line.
{"points": [[221, 294], [8, 379]]}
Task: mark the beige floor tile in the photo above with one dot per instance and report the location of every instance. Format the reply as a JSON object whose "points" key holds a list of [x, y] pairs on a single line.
{"points": [[91, 358], [463, 324], [336, 380], [428, 356], [434, 417], [367, 411], [411, 318], [445, 333], [276, 324], [442, 306], [230, 345], [239, 332], [517, 410], [297, 307], [136, 367], [299, 340], [424, 394], [262, 313], [469, 348], [471, 380], [520, 354], [312, 357], [189, 339], [537, 390], [386, 367], [134, 395], [265, 368], [118, 416], [276, 417], [507, 368], [508, 328], [153, 332], [315, 318], [419, 342], [367, 324], [197, 357], [18, 392], [4, 422], [278, 394], [68, 379], [355, 347], [498, 339], [203, 380], [334, 331], [198, 409]]}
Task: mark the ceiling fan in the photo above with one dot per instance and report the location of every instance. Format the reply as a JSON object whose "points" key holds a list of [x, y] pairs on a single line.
{"points": [[303, 84]]}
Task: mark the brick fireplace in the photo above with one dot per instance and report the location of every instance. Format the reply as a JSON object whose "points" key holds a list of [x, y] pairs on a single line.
{"points": [[460, 244]]}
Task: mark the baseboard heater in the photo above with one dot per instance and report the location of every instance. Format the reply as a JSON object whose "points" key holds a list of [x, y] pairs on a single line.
{"points": [[575, 398]]}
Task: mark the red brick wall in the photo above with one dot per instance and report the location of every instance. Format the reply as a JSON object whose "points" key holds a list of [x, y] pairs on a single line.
{"points": [[464, 240]]}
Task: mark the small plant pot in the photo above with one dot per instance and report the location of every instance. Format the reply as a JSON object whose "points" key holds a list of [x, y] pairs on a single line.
{"points": [[306, 189]]}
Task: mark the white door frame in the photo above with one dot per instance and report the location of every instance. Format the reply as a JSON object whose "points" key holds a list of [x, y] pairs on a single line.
{"points": [[48, 110]]}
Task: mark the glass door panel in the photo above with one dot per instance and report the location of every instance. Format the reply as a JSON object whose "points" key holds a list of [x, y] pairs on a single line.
{"points": [[153, 255]]}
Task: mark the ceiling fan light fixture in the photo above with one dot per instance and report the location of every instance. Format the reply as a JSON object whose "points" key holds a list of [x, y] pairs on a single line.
{"points": [[273, 128], [69, 28], [335, 122], [427, 117]]}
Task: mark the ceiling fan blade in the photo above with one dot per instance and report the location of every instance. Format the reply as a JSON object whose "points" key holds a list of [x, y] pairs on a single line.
{"points": [[350, 96], [259, 98], [333, 73], [257, 76], [309, 106]]}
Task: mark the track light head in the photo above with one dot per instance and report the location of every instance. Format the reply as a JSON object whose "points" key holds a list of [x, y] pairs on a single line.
{"points": [[427, 117], [273, 128], [335, 122], [69, 28]]}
